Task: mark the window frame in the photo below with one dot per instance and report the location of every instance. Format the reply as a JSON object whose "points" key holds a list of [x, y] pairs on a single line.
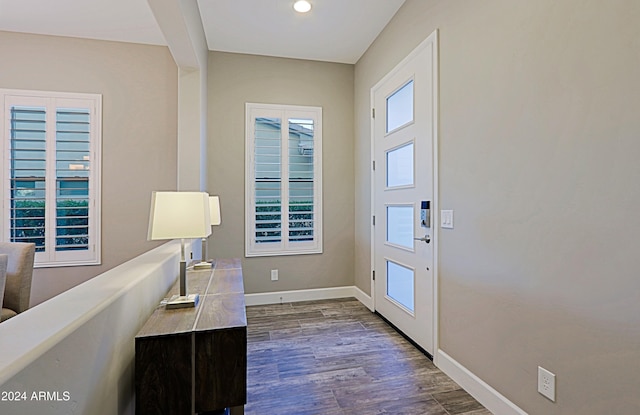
{"points": [[284, 246], [53, 102]]}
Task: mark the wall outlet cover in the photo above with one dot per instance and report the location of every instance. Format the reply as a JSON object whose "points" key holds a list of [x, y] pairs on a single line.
{"points": [[547, 384]]}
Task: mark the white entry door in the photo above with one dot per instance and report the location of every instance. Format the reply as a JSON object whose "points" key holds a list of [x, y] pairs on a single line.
{"points": [[404, 133]]}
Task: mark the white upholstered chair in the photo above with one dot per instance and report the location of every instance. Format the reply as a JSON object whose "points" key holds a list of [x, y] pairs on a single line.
{"points": [[19, 273], [3, 275]]}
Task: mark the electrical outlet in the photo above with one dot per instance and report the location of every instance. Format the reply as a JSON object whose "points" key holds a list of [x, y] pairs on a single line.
{"points": [[547, 383], [274, 275]]}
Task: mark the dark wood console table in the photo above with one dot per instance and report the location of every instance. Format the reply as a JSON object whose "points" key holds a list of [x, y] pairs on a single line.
{"points": [[194, 360]]}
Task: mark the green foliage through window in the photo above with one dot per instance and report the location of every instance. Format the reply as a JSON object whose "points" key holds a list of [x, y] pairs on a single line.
{"points": [[72, 223], [268, 217]]}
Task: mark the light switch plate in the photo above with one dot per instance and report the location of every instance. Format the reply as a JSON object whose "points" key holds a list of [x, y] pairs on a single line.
{"points": [[446, 219]]}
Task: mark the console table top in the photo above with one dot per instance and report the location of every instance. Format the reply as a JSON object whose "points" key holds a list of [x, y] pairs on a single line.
{"points": [[221, 304]]}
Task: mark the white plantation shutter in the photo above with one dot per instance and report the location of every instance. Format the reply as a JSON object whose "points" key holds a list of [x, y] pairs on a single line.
{"points": [[267, 156], [283, 187], [51, 144], [301, 206], [73, 164], [27, 173]]}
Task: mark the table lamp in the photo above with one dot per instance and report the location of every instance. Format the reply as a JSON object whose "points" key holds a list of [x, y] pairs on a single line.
{"points": [[214, 210], [180, 215]]}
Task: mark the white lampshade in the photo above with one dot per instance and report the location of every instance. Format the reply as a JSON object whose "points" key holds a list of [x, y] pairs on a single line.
{"points": [[214, 208], [179, 215]]}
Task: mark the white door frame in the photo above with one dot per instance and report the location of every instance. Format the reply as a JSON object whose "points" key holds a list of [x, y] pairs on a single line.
{"points": [[435, 206]]}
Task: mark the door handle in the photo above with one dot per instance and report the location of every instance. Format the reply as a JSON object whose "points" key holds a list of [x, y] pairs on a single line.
{"points": [[425, 239]]}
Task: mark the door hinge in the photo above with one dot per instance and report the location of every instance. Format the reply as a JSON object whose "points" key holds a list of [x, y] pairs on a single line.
{"points": [[374, 165], [374, 220], [374, 274], [373, 113]]}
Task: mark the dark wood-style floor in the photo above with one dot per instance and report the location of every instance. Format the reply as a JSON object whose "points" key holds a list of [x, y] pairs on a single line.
{"points": [[335, 357]]}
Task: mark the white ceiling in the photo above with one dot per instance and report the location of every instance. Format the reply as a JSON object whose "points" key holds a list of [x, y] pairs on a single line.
{"points": [[119, 20], [334, 30]]}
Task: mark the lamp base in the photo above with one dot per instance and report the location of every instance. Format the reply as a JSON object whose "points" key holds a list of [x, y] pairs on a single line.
{"points": [[203, 265], [183, 301]]}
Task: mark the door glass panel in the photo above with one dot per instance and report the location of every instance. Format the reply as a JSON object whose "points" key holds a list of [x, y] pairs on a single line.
{"points": [[400, 166], [400, 225], [400, 107], [400, 285]]}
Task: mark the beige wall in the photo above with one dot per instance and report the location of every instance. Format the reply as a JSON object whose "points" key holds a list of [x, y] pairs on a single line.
{"points": [[539, 160], [235, 79], [138, 84]]}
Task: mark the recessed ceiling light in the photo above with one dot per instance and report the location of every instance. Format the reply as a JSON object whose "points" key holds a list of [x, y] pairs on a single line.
{"points": [[302, 6]]}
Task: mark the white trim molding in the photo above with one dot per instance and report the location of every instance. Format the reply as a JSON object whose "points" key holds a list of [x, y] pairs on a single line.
{"points": [[50, 145], [493, 400], [299, 295], [309, 295], [364, 298], [283, 173]]}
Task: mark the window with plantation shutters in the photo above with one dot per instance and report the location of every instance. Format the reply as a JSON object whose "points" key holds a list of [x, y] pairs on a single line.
{"points": [[283, 180], [50, 145]]}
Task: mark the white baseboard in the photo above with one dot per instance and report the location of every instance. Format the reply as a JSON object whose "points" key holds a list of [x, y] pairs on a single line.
{"points": [[493, 400], [299, 295], [363, 298]]}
